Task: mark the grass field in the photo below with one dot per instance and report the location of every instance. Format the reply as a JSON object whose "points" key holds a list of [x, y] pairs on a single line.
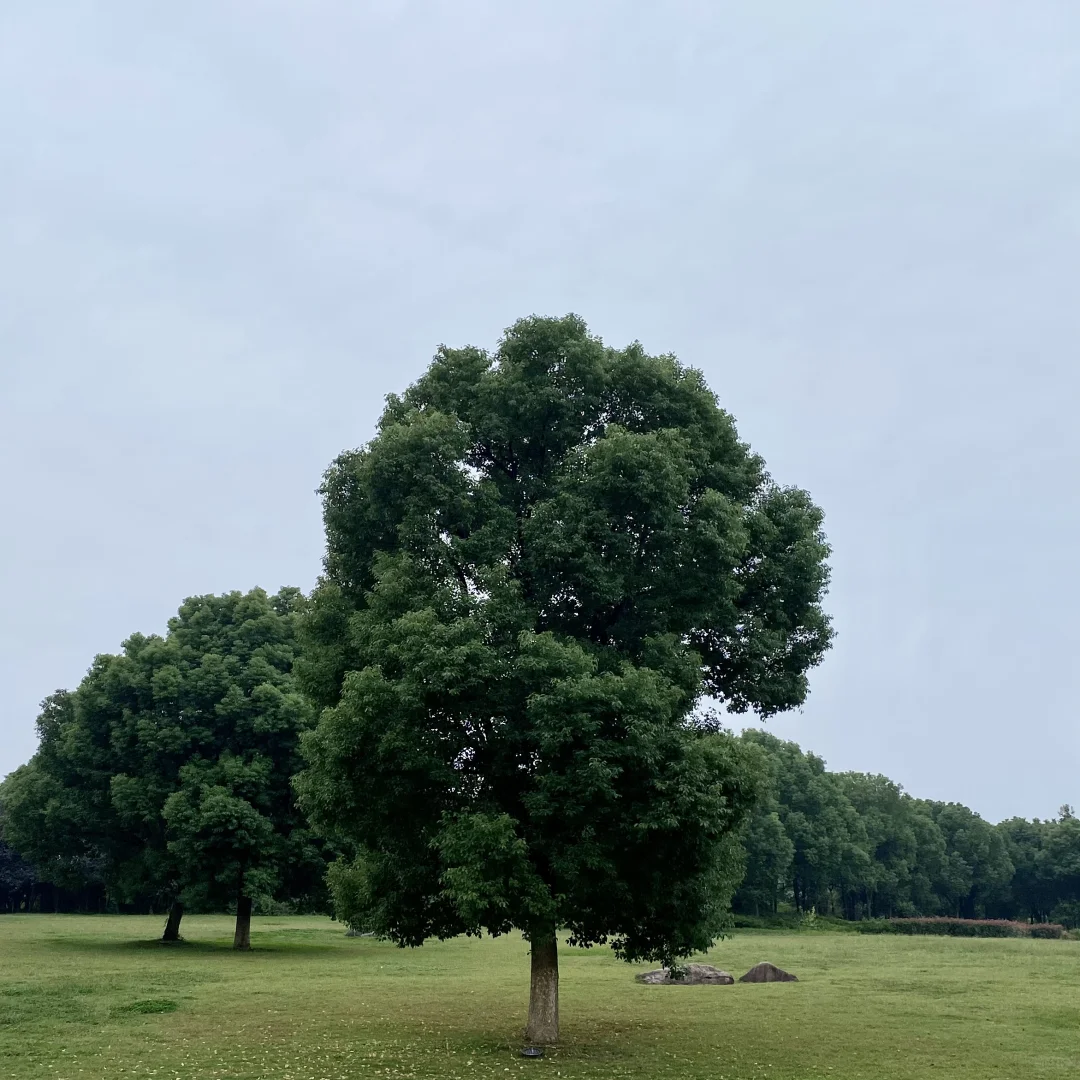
{"points": [[85, 997]]}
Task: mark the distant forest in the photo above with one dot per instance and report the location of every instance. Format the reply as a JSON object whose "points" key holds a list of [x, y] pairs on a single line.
{"points": [[843, 844], [856, 846]]}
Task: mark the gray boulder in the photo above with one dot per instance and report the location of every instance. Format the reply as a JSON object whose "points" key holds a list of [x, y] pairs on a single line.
{"points": [[689, 975], [765, 972]]}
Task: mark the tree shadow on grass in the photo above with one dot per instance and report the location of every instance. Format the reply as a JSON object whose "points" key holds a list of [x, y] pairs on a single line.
{"points": [[186, 947]]}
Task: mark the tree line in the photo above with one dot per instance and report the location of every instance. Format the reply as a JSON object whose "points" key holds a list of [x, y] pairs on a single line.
{"points": [[850, 845], [856, 846]]}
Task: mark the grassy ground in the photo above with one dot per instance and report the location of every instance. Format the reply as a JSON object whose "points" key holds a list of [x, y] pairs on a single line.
{"points": [[83, 998]]}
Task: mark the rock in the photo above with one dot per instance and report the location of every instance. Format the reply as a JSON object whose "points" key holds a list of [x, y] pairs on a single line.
{"points": [[691, 975], [765, 972]]}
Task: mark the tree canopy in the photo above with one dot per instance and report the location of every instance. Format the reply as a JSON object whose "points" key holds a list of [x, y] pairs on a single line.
{"points": [[537, 568], [169, 768]]}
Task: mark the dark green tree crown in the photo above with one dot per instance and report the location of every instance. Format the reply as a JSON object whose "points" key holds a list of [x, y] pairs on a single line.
{"points": [[534, 571], [170, 766], [601, 494]]}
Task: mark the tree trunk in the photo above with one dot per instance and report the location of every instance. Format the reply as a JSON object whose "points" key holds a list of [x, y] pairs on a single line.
{"points": [[242, 937], [172, 927], [543, 1029]]}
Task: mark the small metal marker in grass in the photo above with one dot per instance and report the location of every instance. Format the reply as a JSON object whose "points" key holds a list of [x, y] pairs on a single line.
{"points": [[532, 1052]]}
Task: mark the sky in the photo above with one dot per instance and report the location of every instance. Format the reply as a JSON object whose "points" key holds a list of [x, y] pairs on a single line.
{"points": [[228, 229]]}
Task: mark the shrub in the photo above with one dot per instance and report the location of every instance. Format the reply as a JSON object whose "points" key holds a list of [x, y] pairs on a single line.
{"points": [[1047, 930], [791, 920], [267, 905], [875, 926], [781, 921], [985, 928]]}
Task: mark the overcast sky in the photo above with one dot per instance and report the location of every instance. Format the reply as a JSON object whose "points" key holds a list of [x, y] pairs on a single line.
{"points": [[228, 229]]}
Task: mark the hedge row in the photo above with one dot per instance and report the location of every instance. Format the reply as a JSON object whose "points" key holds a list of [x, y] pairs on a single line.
{"points": [[790, 920], [987, 928]]}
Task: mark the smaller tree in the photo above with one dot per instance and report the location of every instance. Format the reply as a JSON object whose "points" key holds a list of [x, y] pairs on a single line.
{"points": [[1031, 894], [978, 870], [169, 767], [930, 863], [235, 834], [769, 855], [232, 824], [884, 889], [1058, 866], [827, 836]]}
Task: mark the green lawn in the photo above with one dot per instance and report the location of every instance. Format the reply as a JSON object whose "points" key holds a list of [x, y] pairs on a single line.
{"points": [[87, 997]]}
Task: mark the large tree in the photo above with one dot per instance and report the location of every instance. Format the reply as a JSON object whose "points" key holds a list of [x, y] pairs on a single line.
{"points": [[169, 767], [540, 564]]}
